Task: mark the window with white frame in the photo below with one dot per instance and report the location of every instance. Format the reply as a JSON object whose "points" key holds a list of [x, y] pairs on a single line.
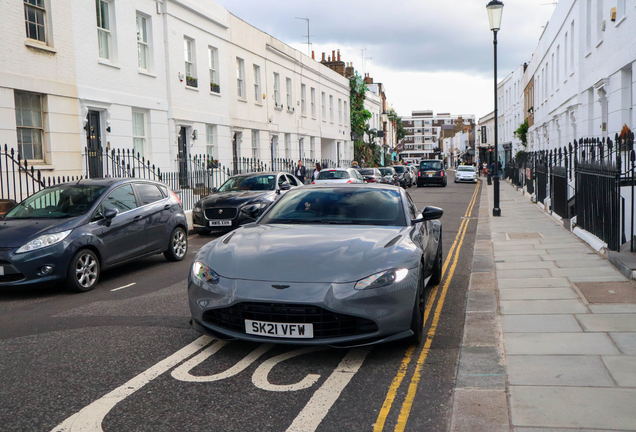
{"points": [[240, 78], [35, 17], [210, 141], [312, 147], [289, 93], [213, 58], [324, 106], [599, 20], [339, 111], [190, 61], [313, 102], [565, 56], [301, 148], [139, 132], [256, 136], [303, 99], [346, 114], [276, 88], [620, 10], [287, 146], [588, 25], [104, 28], [331, 108], [143, 42], [572, 46], [257, 84], [30, 127]]}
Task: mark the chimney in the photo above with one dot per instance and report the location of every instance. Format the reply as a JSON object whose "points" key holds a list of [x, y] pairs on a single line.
{"points": [[313, 57], [323, 56], [333, 55], [349, 71], [329, 59], [338, 55], [525, 66]]}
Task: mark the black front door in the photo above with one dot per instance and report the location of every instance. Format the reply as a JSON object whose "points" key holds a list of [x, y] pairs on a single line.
{"points": [[235, 153], [94, 145], [183, 158]]}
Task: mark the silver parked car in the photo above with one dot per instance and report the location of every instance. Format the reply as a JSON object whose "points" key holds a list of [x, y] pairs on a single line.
{"points": [[339, 175], [466, 173], [342, 265]]}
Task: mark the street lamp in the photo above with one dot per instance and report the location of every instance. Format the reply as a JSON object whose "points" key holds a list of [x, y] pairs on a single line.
{"points": [[495, 8]]}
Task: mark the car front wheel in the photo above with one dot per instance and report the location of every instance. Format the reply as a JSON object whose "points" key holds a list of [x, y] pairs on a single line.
{"points": [[83, 271], [178, 246], [419, 308]]}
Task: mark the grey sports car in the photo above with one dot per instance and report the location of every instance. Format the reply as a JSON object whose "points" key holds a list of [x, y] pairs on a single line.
{"points": [[341, 265]]}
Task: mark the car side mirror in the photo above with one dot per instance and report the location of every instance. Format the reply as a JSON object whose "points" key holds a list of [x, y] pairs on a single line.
{"points": [[215, 190], [109, 214], [285, 186], [429, 213]]}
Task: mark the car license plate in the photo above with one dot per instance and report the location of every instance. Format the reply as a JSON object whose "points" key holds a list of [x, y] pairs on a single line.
{"points": [[272, 329], [223, 222], [1, 271]]}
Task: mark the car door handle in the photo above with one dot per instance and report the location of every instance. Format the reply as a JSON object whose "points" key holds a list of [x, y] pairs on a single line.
{"points": [[166, 207], [136, 218]]}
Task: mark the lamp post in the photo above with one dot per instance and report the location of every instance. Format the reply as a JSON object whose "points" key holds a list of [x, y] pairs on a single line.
{"points": [[495, 9]]}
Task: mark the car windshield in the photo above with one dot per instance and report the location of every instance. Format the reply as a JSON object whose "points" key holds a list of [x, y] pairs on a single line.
{"points": [[466, 168], [332, 175], [431, 165], [387, 171], [368, 172], [57, 202], [249, 183], [399, 169], [347, 206]]}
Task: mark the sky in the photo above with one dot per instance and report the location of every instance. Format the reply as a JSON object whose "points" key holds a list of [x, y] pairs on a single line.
{"points": [[429, 54]]}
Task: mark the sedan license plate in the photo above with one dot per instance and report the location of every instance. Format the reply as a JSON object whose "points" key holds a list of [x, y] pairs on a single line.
{"points": [[271, 329], [223, 222], [430, 173]]}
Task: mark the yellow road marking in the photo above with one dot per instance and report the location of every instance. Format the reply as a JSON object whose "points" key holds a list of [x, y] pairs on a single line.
{"points": [[397, 380], [410, 396]]}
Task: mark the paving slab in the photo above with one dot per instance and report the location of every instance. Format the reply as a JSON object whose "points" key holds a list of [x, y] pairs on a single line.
{"points": [[566, 251], [596, 262], [607, 322], [608, 292], [480, 367], [569, 257], [573, 407], [481, 329], [554, 282], [531, 429], [523, 273], [586, 271], [612, 308], [518, 252], [563, 244], [535, 307], [558, 344], [623, 369], [626, 342], [518, 258], [481, 301], [540, 324], [584, 371], [538, 294], [538, 264], [478, 410], [617, 278]]}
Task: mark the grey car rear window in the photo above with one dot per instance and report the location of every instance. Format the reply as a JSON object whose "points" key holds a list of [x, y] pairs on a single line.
{"points": [[332, 175], [148, 193], [431, 165]]}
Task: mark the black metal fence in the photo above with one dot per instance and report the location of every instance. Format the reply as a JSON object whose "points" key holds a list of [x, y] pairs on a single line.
{"points": [[591, 178]]}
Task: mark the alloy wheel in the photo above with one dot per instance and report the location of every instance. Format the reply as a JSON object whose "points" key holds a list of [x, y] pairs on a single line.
{"points": [[86, 270], [179, 244]]}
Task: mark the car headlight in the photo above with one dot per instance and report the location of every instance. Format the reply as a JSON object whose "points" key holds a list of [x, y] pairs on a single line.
{"points": [[43, 241], [382, 279], [197, 208], [254, 208], [204, 273]]}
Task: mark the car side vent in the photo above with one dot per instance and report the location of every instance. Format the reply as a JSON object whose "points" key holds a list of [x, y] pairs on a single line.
{"points": [[227, 239], [393, 241]]}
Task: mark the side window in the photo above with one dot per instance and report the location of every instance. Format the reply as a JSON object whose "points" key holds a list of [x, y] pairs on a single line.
{"points": [[122, 199], [148, 193], [292, 180], [281, 179], [412, 208]]}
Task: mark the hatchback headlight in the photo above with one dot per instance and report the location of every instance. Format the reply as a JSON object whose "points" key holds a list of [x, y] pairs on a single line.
{"points": [[204, 273], [382, 279], [43, 241]]}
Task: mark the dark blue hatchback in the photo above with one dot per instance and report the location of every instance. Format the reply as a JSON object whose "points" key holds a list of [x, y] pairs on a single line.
{"points": [[72, 231]]}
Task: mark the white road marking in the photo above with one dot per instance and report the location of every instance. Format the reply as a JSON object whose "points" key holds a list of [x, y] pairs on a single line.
{"points": [[320, 403], [182, 373], [90, 418], [260, 374], [125, 286]]}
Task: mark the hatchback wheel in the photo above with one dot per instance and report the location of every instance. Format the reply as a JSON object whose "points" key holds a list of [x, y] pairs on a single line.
{"points": [[178, 246], [419, 308], [83, 271]]}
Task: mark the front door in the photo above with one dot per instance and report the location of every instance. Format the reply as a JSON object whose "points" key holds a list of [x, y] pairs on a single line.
{"points": [[94, 145], [183, 157], [235, 161]]}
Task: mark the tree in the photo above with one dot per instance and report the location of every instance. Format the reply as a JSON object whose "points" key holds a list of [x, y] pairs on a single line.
{"points": [[362, 151], [522, 132], [397, 122]]}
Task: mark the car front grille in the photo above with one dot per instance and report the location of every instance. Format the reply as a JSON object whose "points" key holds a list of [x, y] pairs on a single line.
{"points": [[326, 324], [220, 213]]}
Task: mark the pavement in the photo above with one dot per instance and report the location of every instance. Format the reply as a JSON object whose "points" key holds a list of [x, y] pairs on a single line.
{"points": [[549, 341]]}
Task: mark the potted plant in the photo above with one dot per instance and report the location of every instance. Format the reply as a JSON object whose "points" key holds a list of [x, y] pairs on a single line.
{"points": [[213, 163], [215, 87], [191, 81]]}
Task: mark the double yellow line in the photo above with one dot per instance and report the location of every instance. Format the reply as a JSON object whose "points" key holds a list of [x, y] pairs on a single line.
{"points": [[405, 411]]}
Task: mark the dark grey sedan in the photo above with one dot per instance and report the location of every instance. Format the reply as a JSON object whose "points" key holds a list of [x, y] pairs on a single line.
{"points": [[335, 264], [71, 232]]}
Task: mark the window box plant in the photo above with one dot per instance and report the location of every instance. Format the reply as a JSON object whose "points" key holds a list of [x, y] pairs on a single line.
{"points": [[192, 82], [215, 88]]}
